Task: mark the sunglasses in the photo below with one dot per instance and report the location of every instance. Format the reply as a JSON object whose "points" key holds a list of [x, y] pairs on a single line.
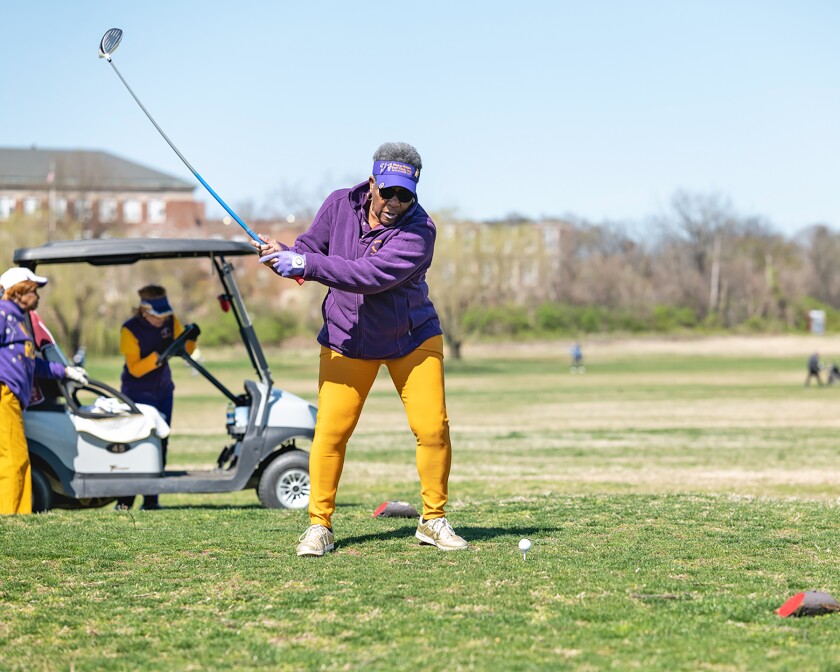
{"points": [[404, 195]]}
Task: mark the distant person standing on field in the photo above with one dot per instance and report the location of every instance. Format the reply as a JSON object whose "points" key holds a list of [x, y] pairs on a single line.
{"points": [[814, 367], [834, 374], [576, 354]]}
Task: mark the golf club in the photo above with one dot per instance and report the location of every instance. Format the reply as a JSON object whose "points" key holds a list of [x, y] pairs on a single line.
{"points": [[107, 46]]}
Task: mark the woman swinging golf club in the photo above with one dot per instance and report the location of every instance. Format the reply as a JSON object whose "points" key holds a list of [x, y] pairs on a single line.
{"points": [[372, 245]]}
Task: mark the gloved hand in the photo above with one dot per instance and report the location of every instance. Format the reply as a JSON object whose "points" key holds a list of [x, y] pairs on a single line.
{"points": [[77, 374], [267, 245], [287, 264]]}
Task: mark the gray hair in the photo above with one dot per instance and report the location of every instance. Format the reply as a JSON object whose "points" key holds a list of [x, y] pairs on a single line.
{"points": [[399, 151]]}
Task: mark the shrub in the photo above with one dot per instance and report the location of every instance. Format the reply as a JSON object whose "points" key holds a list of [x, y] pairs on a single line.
{"points": [[556, 317], [671, 318], [497, 321], [590, 319], [221, 329], [633, 321]]}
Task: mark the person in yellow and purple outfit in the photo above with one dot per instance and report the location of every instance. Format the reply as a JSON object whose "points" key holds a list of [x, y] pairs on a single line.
{"points": [[142, 338], [18, 367], [371, 245]]}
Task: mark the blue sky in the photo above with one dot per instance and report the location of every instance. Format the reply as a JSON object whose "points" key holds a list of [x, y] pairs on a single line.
{"points": [[597, 109]]}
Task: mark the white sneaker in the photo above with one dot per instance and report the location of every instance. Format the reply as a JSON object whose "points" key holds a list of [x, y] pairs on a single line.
{"points": [[438, 532], [316, 541]]}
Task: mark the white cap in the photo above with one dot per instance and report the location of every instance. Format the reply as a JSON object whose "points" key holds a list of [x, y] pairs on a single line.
{"points": [[18, 274]]}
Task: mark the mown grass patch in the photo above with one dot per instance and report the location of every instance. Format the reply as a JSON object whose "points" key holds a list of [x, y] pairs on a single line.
{"points": [[673, 504], [658, 582]]}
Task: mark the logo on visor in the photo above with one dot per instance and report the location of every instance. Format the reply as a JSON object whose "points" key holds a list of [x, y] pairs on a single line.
{"points": [[400, 168]]}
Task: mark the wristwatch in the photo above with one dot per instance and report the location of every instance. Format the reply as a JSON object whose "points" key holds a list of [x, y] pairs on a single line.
{"points": [[298, 261]]}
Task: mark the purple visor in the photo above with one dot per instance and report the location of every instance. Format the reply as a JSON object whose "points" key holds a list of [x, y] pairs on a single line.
{"points": [[157, 307], [396, 174]]}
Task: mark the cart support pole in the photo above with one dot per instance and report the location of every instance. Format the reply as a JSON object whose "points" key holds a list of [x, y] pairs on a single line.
{"points": [[246, 327]]}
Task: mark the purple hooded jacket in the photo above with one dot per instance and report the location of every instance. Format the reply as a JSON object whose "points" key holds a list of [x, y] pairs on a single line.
{"points": [[18, 362], [378, 304]]}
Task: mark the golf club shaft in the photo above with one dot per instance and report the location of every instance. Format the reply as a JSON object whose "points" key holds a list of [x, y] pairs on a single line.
{"points": [[218, 198], [244, 226]]}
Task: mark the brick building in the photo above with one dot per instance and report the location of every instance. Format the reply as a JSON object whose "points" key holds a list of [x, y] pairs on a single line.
{"points": [[100, 190]]}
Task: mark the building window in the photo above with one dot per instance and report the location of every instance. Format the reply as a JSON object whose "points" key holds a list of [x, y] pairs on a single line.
{"points": [[530, 277], [60, 207], [446, 232], [31, 205], [7, 207], [157, 211], [551, 237], [469, 238], [107, 210], [132, 212], [83, 209]]}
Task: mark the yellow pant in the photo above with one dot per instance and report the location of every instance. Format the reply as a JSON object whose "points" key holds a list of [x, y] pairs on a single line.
{"points": [[15, 470], [343, 386]]}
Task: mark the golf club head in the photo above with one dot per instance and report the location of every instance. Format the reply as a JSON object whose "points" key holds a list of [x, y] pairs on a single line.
{"points": [[109, 43]]}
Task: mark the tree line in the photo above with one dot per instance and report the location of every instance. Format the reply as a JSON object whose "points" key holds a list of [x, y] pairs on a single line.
{"points": [[699, 266]]}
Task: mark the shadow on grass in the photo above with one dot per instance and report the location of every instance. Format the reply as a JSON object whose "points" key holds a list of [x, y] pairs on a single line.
{"points": [[205, 507], [471, 533], [231, 507]]}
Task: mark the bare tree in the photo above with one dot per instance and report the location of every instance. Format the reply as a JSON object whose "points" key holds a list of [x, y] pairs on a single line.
{"points": [[821, 253], [458, 277], [694, 235]]}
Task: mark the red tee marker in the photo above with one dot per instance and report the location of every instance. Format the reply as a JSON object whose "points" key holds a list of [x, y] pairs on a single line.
{"points": [[810, 603], [395, 510]]}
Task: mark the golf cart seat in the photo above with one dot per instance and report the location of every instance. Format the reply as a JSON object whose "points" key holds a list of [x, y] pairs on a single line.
{"points": [[114, 433], [99, 438], [115, 422], [109, 435]]}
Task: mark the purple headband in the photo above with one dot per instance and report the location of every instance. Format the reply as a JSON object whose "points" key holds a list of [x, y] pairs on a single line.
{"points": [[157, 307], [396, 174]]}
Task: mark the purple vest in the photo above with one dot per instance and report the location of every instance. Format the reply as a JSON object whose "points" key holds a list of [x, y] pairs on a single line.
{"points": [[158, 382]]}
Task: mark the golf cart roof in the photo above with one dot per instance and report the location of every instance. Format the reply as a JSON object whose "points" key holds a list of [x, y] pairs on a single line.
{"points": [[120, 251]]}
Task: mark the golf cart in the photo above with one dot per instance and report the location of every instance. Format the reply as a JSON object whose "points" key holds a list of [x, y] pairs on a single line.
{"points": [[87, 454]]}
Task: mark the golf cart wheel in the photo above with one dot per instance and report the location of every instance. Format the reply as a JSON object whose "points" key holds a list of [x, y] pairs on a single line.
{"points": [[42, 495], [285, 482]]}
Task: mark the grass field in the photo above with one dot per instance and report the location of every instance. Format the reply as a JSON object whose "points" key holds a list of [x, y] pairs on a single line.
{"points": [[676, 494]]}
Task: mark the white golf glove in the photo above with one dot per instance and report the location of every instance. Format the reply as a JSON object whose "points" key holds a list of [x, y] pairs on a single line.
{"points": [[77, 374]]}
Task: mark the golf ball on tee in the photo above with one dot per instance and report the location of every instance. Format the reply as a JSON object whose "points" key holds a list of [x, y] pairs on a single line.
{"points": [[524, 545]]}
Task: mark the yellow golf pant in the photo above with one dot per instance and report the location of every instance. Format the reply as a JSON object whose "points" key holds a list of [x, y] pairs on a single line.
{"points": [[343, 386], [15, 470]]}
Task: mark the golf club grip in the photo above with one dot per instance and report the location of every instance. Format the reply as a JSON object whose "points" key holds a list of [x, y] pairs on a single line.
{"points": [[244, 226]]}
